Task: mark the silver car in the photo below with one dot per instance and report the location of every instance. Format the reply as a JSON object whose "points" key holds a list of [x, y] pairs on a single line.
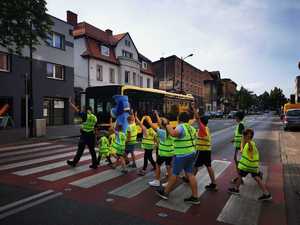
{"points": [[291, 119]]}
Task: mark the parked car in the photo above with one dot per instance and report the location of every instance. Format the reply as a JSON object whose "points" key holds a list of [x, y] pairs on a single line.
{"points": [[231, 114], [208, 114], [219, 114], [291, 119]]}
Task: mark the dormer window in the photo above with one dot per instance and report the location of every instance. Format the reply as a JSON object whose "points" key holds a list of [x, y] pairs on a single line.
{"points": [[104, 50], [144, 65], [127, 43]]}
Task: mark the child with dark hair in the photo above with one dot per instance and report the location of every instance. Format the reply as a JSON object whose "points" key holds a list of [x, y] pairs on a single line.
{"points": [[249, 163], [238, 135], [165, 149], [119, 147], [148, 141]]}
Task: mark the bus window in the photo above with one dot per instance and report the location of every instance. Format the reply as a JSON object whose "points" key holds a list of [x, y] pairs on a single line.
{"points": [[99, 107], [92, 103]]}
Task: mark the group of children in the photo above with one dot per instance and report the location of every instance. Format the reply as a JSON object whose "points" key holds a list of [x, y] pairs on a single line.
{"points": [[160, 139]]}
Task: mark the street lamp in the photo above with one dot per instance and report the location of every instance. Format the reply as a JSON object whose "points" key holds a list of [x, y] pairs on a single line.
{"points": [[182, 59]]}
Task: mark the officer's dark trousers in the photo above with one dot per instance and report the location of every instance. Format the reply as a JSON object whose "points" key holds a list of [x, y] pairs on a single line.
{"points": [[86, 138]]}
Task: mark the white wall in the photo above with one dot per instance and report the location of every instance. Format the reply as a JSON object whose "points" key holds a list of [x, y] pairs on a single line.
{"points": [[121, 46], [80, 64], [145, 77], [105, 71]]}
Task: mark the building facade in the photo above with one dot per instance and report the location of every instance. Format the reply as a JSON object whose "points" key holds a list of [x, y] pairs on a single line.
{"points": [[102, 58], [212, 91], [194, 81], [228, 95], [52, 77]]}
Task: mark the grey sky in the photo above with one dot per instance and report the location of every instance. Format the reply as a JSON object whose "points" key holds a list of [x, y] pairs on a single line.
{"points": [[254, 42]]}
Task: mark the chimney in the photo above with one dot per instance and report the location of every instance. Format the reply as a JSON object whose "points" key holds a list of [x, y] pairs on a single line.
{"points": [[71, 18], [109, 32]]}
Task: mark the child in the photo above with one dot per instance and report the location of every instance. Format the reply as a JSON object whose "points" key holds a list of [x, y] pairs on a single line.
{"points": [[249, 163], [238, 134], [104, 150], [131, 136], [147, 143], [203, 147], [165, 150], [119, 147]]}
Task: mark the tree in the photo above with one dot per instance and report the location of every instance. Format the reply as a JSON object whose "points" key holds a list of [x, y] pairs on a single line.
{"points": [[264, 101], [277, 98], [24, 23], [245, 99]]}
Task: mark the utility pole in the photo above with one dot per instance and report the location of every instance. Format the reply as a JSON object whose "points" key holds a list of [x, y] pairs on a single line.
{"points": [[26, 105], [31, 116]]}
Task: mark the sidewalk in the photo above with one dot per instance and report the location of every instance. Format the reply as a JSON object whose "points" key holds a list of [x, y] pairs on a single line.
{"points": [[290, 156], [16, 135]]}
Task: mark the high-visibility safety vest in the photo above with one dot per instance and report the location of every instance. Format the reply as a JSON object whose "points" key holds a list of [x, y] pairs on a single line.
{"points": [[165, 147], [148, 140], [133, 129], [185, 145], [204, 143], [89, 124], [119, 143], [103, 145], [237, 136], [247, 163]]}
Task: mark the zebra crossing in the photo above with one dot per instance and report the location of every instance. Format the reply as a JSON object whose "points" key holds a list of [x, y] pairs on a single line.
{"points": [[47, 162]]}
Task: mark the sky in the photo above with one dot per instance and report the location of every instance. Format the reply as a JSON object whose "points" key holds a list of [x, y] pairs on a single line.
{"points": [[256, 43]]}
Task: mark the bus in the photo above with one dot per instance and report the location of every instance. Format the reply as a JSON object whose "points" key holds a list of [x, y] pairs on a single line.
{"points": [[142, 100]]}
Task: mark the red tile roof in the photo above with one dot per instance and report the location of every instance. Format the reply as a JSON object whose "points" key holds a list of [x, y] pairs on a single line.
{"points": [[85, 29], [93, 50]]}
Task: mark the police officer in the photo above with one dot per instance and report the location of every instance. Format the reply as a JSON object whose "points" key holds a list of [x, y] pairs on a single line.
{"points": [[87, 137]]}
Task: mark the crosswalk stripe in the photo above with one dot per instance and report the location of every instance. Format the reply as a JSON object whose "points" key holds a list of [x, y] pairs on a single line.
{"points": [[24, 200], [24, 146], [38, 149], [134, 187], [22, 157], [177, 196], [244, 209], [69, 172], [29, 205], [34, 161], [46, 167], [101, 177]]}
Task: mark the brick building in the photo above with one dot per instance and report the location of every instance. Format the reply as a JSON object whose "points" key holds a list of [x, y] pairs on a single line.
{"points": [[201, 84], [228, 95]]}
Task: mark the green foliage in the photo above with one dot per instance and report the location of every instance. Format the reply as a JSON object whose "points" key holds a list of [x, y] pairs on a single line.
{"points": [[23, 23], [245, 99]]}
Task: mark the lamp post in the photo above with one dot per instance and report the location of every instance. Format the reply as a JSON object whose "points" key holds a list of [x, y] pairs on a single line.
{"points": [[182, 59]]}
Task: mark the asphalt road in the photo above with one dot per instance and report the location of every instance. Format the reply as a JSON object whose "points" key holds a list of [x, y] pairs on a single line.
{"points": [[75, 200]]}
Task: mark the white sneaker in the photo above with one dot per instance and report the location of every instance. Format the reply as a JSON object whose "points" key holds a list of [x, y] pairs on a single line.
{"points": [[165, 184], [154, 183]]}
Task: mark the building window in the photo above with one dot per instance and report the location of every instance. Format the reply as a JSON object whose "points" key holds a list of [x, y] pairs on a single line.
{"points": [[134, 79], [112, 75], [104, 50], [99, 73], [148, 82], [55, 71], [127, 54], [4, 62], [144, 65], [56, 40], [127, 43], [141, 81], [127, 77]]}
